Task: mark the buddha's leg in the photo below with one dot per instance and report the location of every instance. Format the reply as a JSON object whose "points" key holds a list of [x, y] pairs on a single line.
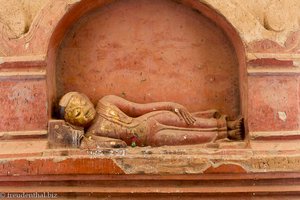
{"points": [[171, 119], [168, 129], [184, 137], [171, 130]]}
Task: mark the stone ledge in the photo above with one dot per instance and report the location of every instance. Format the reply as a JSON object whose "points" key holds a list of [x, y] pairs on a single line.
{"points": [[265, 71], [32, 158], [267, 169], [24, 61]]}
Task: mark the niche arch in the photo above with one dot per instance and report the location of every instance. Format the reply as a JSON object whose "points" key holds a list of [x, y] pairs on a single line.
{"points": [[84, 16]]}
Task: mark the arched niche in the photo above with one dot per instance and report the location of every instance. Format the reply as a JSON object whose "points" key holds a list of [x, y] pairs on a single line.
{"points": [[145, 51]]}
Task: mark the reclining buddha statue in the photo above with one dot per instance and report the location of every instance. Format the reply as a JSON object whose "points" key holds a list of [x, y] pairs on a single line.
{"points": [[117, 122]]}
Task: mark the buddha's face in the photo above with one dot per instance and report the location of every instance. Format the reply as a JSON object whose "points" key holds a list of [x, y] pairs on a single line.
{"points": [[80, 111]]}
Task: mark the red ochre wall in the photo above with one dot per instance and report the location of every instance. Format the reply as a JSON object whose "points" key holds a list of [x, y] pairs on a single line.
{"points": [[258, 79], [147, 51]]}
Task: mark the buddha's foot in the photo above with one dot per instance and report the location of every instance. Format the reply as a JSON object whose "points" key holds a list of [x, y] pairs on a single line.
{"points": [[235, 135], [236, 129], [95, 142], [236, 124]]}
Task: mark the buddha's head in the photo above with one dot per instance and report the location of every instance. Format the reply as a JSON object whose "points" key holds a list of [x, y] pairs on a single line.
{"points": [[77, 109]]}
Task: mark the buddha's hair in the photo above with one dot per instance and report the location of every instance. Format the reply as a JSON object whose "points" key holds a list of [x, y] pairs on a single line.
{"points": [[64, 101]]}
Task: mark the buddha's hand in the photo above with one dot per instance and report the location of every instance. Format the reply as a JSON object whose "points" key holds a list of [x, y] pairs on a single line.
{"points": [[183, 114]]}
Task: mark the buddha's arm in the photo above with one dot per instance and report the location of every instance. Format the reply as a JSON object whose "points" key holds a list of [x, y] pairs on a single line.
{"points": [[135, 109]]}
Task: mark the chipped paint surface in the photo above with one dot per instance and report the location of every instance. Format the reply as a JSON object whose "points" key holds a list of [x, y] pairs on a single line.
{"points": [[282, 116], [23, 105], [260, 19], [269, 29], [58, 165], [228, 157], [160, 161]]}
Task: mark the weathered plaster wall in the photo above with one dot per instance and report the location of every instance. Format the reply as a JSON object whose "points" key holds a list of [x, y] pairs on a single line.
{"points": [[269, 30], [16, 16], [255, 19], [258, 20], [149, 51]]}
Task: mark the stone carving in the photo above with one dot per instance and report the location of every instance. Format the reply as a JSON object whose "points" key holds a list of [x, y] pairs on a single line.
{"points": [[116, 122], [63, 134], [16, 16]]}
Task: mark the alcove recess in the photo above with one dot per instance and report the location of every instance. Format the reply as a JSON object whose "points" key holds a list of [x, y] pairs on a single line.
{"points": [[152, 50]]}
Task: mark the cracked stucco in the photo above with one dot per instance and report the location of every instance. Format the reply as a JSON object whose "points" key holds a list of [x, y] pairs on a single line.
{"points": [[254, 19]]}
